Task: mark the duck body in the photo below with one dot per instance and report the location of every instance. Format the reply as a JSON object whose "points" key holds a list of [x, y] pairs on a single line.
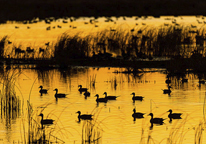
{"points": [[42, 91], [137, 114], [84, 116], [109, 97], [136, 97], [156, 120], [87, 94], [59, 95], [82, 89], [45, 121], [101, 99], [167, 91], [174, 115]]}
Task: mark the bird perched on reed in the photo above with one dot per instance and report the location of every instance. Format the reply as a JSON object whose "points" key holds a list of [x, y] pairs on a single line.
{"points": [[101, 99], [59, 95], [45, 121], [42, 91], [84, 116], [109, 97], [137, 114], [174, 115], [82, 89], [156, 120], [136, 97]]}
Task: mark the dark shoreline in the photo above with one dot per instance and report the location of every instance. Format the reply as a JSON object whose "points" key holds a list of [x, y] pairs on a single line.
{"points": [[173, 64]]}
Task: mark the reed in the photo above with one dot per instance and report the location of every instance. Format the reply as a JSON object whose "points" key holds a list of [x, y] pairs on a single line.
{"points": [[3, 41], [10, 102], [71, 47], [92, 130]]}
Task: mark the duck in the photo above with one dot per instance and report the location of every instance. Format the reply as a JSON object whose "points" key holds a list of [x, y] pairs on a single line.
{"points": [[82, 89], [84, 116], [156, 120], [86, 93], [101, 99], [137, 114], [136, 97], [167, 91], [59, 95], [109, 97], [45, 121], [42, 91], [174, 115]]}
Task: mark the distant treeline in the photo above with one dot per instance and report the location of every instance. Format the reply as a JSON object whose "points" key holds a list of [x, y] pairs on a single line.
{"points": [[29, 9]]}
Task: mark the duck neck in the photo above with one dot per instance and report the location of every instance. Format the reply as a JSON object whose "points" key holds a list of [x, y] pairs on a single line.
{"points": [[56, 91]]}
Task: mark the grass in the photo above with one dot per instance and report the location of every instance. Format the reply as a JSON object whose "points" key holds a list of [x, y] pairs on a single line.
{"points": [[11, 105]]}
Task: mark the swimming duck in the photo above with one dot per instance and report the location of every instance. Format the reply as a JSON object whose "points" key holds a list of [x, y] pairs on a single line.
{"points": [[45, 121], [109, 97], [84, 116], [156, 120], [101, 99], [167, 91], [137, 114], [136, 97], [42, 91], [174, 115], [59, 95], [82, 89], [87, 94]]}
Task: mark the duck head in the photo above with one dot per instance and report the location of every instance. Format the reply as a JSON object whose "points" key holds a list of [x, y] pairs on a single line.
{"points": [[96, 96], [133, 93], [78, 112], [151, 114], [169, 111]]}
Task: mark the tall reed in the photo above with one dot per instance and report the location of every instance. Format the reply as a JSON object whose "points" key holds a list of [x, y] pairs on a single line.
{"points": [[10, 102]]}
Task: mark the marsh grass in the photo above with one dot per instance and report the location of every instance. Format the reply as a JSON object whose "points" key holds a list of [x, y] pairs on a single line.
{"points": [[92, 130], [10, 102]]}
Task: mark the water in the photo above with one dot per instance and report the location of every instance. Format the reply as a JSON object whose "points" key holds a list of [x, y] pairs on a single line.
{"points": [[114, 118]]}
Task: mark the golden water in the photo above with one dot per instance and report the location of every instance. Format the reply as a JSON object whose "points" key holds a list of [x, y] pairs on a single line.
{"points": [[115, 117]]}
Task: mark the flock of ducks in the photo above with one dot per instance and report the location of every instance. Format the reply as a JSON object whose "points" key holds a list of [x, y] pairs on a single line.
{"points": [[135, 115]]}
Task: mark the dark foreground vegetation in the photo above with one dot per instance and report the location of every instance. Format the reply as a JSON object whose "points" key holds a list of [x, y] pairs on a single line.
{"points": [[60, 8]]}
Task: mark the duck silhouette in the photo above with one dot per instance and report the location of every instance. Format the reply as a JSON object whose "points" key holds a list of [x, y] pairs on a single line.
{"points": [[137, 114], [156, 120], [136, 97], [109, 97], [86, 93], [84, 116], [45, 121], [59, 95], [174, 115], [101, 99], [82, 89], [42, 91], [167, 91]]}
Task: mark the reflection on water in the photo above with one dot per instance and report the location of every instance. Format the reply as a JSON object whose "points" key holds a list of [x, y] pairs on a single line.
{"points": [[116, 121]]}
